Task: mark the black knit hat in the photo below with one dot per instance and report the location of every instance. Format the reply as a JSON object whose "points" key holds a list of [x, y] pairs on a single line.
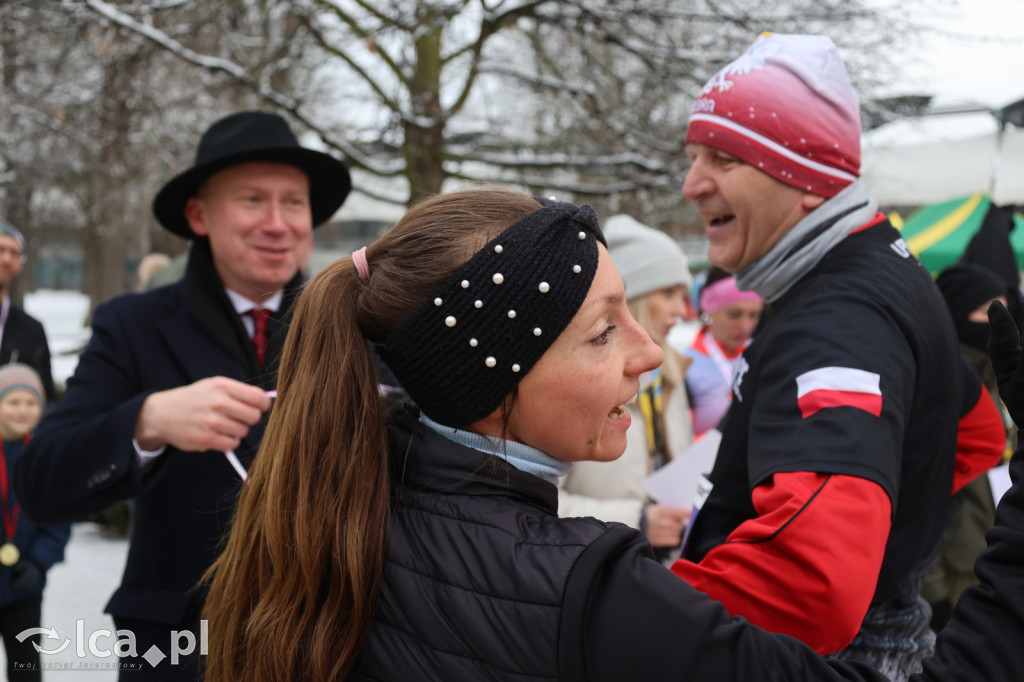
{"points": [[965, 286], [465, 350], [252, 136]]}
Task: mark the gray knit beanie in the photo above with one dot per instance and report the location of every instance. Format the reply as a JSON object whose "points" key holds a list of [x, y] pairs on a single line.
{"points": [[648, 259], [18, 376]]}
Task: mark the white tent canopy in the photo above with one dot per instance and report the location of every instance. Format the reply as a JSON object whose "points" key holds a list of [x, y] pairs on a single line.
{"points": [[926, 159]]}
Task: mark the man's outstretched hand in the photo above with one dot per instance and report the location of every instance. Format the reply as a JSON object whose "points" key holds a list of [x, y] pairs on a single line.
{"points": [[1004, 349]]}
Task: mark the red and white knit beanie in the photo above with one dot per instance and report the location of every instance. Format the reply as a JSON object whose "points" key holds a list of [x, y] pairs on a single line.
{"points": [[787, 107]]}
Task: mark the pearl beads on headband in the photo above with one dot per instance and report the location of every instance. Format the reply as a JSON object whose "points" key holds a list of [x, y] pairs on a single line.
{"points": [[498, 278], [460, 357]]}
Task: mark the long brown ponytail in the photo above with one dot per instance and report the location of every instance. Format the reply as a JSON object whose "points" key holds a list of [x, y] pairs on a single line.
{"points": [[293, 595]]}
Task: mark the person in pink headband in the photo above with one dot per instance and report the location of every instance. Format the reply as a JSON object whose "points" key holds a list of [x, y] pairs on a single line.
{"points": [[729, 317], [722, 293]]}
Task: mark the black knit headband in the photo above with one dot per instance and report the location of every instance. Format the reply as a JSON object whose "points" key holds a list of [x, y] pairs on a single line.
{"points": [[465, 350]]}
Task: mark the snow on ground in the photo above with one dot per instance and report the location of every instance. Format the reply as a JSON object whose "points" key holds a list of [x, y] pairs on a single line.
{"points": [[78, 589]]}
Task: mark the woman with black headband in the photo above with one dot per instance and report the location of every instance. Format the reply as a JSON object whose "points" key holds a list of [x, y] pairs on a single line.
{"points": [[424, 544]]}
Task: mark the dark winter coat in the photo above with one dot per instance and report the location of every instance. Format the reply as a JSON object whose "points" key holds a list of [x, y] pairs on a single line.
{"points": [[483, 581], [983, 639], [82, 459], [24, 340]]}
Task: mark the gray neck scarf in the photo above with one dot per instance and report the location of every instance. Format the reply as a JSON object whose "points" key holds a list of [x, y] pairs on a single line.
{"points": [[807, 242]]}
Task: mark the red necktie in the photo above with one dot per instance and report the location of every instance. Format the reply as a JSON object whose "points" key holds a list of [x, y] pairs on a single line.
{"points": [[260, 317]]}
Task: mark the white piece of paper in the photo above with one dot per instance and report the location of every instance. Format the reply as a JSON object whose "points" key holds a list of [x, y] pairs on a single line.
{"points": [[676, 483], [999, 480]]}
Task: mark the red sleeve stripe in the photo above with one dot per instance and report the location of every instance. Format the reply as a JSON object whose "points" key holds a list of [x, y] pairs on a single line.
{"points": [[838, 387], [815, 401], [807, 565]]}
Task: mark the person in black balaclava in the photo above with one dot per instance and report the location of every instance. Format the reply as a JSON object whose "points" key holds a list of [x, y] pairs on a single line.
{"points": [[967, 289], [990, 247]]}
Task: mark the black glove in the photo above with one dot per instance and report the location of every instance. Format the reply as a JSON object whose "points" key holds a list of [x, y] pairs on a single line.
{"points": [[1004, 350], [25, 575]]}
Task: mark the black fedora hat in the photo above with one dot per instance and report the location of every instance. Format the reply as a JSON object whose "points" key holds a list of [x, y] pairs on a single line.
{"points": [[252, 136]]}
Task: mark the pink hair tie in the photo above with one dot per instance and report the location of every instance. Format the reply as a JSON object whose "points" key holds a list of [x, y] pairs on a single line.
{"points": [[722, 293], [362, 267]]}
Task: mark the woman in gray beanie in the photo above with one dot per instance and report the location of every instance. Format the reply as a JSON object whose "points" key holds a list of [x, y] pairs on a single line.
{"points": [[657, 279]]}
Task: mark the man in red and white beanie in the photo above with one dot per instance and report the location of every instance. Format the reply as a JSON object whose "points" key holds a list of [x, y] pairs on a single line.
{"points": [[786, 107], [841, 448]]}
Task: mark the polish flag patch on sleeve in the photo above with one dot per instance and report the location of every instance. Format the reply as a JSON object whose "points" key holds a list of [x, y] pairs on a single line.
{"points": [[838, 387]]}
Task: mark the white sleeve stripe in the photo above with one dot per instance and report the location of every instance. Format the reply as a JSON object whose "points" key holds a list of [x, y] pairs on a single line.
{"points": [[838, 379]]}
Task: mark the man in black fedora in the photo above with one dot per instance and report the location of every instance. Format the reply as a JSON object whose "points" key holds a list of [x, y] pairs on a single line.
{"points": [[169, 400]]}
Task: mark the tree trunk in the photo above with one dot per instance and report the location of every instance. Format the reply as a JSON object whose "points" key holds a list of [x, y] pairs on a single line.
{"points": [[424, 131], [110, 236]]}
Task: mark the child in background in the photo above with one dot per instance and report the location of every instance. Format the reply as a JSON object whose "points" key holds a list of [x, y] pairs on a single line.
{"points": [[27, 550]]}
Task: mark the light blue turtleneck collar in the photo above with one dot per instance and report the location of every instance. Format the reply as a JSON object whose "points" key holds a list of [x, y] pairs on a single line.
{"points": [[521, 456]]}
